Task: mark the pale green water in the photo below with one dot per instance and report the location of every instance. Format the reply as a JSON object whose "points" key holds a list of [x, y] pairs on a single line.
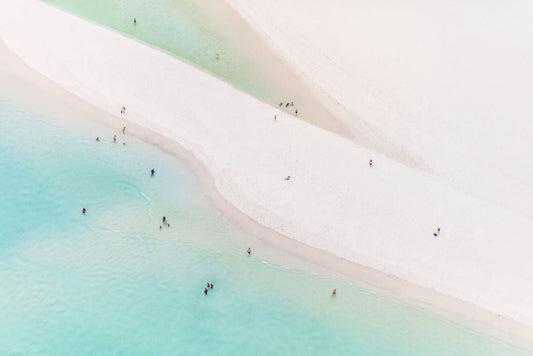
{"points": [[196, 31]]}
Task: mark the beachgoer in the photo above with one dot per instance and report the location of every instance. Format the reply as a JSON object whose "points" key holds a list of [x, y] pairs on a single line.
{"points": [[84, 210], [123, 143], [205, 291], [435, 234], [153, 172], [134, 21], [280, 104], [98, 139], [249, 251], [160, 227], [217, 55], [296, 112], [370, 163], [211, 285], [208, 285], [287, 105], [115, 139], [334, 293], [288, 178], [275, 117], [164, 219], [438, 230], [292, 103], [123, 111], [124, 130]]}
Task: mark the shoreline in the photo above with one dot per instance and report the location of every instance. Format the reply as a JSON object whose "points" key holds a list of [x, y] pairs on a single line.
{"points": [[341, 266], [450, 307]]}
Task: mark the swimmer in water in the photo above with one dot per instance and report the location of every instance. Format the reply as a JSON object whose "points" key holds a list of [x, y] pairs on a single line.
{"points": [[334, 293], [84, 210], [249, 251], [153, 172]]}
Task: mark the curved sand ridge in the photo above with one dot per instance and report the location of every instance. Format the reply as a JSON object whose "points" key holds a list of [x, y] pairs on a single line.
{"points": [[382, 217], [446, 82]]}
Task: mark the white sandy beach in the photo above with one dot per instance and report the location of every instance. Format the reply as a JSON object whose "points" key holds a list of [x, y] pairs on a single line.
{"points": [[382, 217]]}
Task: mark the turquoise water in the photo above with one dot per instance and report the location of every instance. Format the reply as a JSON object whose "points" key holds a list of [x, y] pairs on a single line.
{"points": [[112, 282], [195, 31]]}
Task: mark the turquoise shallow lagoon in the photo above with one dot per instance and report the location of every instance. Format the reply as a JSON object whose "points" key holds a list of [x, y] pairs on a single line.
{"points": [[112, 282]]}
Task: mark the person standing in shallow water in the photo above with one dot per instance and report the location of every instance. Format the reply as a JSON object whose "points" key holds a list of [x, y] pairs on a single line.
{"points": [[249, 251], [153, 172], [134, 21]]}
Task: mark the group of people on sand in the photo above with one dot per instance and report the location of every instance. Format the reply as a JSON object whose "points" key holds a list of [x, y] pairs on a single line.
{"points": [[287, 105]]}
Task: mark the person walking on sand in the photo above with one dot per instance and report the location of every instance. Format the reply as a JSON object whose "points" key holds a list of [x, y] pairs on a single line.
{"points": [[296, 112], [124, 130], [438, 231], [115, 139], [370, 163], [275, 117], [217, 56], [134, 21], [334, 293], [249, 251], [83, 211]]}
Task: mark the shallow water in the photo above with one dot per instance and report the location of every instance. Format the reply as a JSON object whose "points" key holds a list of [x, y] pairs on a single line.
{"points": [[111, 281], [195, 31]]}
